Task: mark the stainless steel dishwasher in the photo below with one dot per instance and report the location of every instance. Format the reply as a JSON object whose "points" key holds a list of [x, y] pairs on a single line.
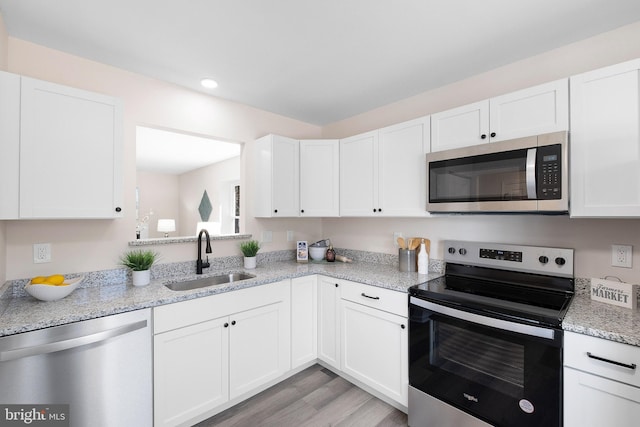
{"points": [[101, 368]]}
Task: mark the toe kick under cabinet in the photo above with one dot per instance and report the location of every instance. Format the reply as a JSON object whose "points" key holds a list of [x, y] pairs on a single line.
{"points": [[601, 382], [212, 352]]}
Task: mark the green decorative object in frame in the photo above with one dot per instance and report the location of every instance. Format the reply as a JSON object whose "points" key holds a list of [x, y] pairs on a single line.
{"points": [[205, 207]]}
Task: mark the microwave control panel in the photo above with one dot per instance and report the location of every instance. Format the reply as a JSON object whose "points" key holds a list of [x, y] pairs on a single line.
{"points": [[549, 172]]}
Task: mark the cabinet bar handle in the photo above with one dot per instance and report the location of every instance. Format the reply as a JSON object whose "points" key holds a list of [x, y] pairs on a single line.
{"points": [[367, 296], [602, 359]]}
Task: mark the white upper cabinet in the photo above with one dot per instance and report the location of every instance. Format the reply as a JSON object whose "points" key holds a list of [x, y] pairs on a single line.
{"points": [[402, 171], [605, 142], [460, 126], [70, 151], [359, 175], [320, 177], [532, 111], [277, 177], [383, 172]]}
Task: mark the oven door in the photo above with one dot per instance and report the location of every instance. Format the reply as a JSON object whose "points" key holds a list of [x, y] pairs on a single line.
{"points": [[505, 373]]}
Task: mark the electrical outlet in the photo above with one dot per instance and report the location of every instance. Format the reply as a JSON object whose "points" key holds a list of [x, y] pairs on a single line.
{"points": [[41, 252], [289, 236], [396, 234], [267, 236], [621, 255]]}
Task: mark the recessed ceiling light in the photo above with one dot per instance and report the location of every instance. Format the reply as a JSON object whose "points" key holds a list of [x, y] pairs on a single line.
{"points": [[209, 83]]}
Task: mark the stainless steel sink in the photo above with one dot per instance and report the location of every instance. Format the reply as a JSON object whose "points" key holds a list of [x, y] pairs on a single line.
{"points": [[208, 281]]}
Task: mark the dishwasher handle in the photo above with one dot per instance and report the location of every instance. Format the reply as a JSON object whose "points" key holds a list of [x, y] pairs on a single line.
{"points": [[71, 343]]}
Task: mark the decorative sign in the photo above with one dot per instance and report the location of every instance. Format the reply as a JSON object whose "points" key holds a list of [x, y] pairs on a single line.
{"points": [[302, 252], [616, 293]]}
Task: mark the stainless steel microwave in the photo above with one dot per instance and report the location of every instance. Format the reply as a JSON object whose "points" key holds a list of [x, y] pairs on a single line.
{"points": [[526, 175]]}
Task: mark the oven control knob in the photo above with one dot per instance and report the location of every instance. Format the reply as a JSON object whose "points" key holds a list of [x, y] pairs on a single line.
{"points": [[452, 251], [560, 261], [462, 251], [543, 259]]}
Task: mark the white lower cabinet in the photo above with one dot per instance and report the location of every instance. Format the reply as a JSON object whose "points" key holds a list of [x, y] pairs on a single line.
{"points": [[374, 349], [210, 351], [362, 332], [601, 382], [304, 320], [329, 321]]}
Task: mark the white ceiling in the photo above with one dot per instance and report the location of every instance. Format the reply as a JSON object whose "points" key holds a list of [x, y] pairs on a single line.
{"points": [[177, 153], [319, 61]]}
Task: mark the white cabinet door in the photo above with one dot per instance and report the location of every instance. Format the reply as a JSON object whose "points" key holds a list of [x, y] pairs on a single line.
{"points": [[277, 177], [605, 142], [70, 152], [190, 371], [304, 320], [9, 146], [532, 111], [594, 401], [375, 349], [320, 177], [329, 321], [402, 168], [359, 175], [460, 127], [259, 347]]}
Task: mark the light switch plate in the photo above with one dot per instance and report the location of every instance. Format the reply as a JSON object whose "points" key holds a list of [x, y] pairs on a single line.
{"points": [[267, 236]]}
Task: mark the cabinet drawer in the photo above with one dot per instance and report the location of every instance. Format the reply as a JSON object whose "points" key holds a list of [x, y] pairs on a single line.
{"points": [[383, 299], [585, 353]]}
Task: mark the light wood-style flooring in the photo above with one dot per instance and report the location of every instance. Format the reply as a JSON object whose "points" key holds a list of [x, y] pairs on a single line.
{"points": [[313, 397]]}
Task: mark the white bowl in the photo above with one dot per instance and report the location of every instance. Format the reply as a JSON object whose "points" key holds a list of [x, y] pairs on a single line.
{"points": [[317, 253], [53, 293]]}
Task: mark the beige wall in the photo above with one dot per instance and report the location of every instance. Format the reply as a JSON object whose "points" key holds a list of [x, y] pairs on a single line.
{"points": [[590, 238], [215, 180], [87, 245], [159, 195]]}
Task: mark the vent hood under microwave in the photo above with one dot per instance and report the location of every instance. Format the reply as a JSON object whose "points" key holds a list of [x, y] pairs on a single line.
{"points": [[524, 175]]}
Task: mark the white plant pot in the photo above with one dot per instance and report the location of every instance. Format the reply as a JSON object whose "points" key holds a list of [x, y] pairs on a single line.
{"points": [[249, 262], [141, 278]]}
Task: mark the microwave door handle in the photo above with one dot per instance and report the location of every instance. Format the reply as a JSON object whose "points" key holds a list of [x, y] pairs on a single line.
{"points": [[531, 173]]}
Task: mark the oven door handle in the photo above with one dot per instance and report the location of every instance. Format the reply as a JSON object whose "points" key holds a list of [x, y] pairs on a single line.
{"points": [[532, 192], [504, 325]]}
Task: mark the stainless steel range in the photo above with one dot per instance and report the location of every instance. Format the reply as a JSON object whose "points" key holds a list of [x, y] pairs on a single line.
{"points": [[485, 340]]}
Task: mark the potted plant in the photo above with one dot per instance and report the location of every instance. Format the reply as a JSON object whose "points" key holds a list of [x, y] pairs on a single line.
{"points": [[140, 262], [250, 249]]}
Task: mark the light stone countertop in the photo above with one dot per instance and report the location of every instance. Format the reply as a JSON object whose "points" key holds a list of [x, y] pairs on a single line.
{"points": [[22, 313], [602, 320]]}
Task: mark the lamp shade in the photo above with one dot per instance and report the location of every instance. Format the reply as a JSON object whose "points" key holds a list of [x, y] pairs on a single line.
{"points": [[166, 226]]}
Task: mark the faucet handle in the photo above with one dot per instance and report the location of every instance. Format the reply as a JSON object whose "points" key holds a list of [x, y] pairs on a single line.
{"points": [[205, 264]]}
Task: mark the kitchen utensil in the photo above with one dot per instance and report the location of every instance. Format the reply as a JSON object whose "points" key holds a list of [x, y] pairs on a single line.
{"points": [[407, 260], [342, 258], [317, 253], [401, 243]]}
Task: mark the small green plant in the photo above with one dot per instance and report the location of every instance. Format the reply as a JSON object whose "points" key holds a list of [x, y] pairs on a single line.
{"points": [[139, 260], [250, 248]]}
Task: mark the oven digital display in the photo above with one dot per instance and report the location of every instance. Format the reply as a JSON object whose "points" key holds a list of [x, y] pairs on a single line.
{"points": [[501, 255]]}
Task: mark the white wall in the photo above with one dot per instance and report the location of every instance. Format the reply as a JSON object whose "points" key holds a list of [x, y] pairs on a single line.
{"points": [[590, 238], [79, 246]]}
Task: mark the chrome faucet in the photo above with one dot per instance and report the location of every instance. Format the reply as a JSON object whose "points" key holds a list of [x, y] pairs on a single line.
{"points": [[199, 263]]}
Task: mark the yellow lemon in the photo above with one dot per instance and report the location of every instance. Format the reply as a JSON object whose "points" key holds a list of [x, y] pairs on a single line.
{"points": [[38, 280], [55, 279]]}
